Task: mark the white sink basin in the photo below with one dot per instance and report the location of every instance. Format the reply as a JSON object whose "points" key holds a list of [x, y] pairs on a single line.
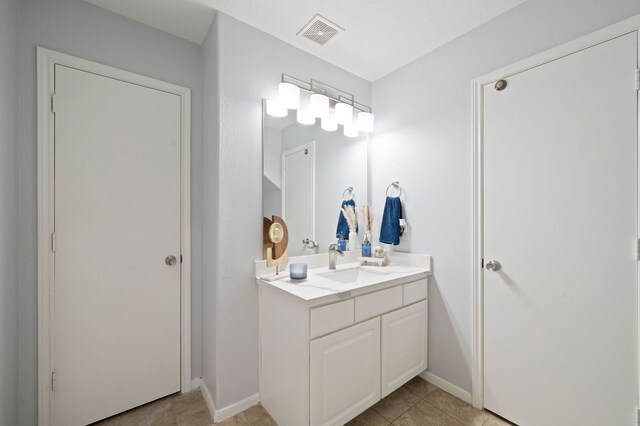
{"points": [[348, 276]]}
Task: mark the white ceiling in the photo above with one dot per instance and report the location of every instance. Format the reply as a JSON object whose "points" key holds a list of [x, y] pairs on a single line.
{"points": [[381, 35]]}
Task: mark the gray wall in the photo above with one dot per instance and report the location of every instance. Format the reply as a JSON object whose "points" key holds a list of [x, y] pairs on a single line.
{"points": [[210, 203], [423, 139], [249, 66], [89, 32], [8, 212]]}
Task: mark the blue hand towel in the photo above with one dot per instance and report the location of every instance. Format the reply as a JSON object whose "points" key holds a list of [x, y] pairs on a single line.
{"points": [[343, 227], [390, 226]]}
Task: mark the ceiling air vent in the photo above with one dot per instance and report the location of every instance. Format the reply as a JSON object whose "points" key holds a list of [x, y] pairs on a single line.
{"points": [[320, 30]]}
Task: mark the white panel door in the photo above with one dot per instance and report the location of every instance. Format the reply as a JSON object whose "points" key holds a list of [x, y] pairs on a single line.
{"points": [[117, 217], [404, 346], [560, 216], [345, 373], [298, 195]]}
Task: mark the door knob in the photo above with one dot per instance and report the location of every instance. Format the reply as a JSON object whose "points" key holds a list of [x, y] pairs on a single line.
{"points": [[170, 260], [493, 265]]}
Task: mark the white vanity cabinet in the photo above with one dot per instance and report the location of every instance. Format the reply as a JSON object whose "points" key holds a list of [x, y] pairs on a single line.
{"points": [[324, 361]]}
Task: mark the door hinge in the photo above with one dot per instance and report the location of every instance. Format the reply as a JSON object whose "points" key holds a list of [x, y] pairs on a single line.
{"points": [[637, 79], [53, 103], [53, 241], [54, 383]]}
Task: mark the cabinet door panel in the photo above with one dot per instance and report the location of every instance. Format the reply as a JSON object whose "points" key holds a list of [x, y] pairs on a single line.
{"points": [[345, 373], [404, 346]]}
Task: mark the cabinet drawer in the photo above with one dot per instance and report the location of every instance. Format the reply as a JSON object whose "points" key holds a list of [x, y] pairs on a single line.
{"points": [[377, 303], [326, 319], [414, 292]]}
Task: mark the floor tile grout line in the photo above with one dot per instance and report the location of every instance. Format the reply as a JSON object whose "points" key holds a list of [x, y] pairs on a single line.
{"points": [[447, 414], [392, 421], [453, 417], [414, 404]]}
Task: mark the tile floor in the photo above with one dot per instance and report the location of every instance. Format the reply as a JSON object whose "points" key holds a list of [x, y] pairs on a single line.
{"points": [[417, 403], [188, 409]]}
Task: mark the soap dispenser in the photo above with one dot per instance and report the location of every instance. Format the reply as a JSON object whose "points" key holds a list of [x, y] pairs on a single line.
{"points": [[342, 243], [366, 246]]}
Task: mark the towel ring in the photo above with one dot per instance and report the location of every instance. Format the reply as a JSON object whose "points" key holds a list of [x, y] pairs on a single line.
{"points": [[348, 190], [395, 185]]}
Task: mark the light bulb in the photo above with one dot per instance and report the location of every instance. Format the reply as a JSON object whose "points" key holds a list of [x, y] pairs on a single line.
{"points": [[319, 105], [289, 95], [305, 117], [329, 123], [275, 109], [344, 113], [365, 122], [351, 130]]}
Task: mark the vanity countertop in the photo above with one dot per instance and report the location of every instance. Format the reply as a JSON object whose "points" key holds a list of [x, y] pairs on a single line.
{"points": [[349, 278]]}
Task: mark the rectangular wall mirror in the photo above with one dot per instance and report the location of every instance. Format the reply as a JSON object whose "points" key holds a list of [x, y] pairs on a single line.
{"points": [[307, 172]]}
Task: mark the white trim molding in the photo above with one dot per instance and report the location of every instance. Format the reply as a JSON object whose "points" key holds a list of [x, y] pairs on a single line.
{"points": [[228, 411], [626, 26], [198, 383], [47, 59], [236, 408], [448, 387]]}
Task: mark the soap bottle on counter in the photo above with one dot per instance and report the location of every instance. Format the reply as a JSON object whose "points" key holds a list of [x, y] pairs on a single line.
{"points": [[342, 243], [366, 246]]}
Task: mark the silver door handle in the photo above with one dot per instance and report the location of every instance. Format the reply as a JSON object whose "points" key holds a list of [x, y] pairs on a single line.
{"points": [[170, 260], [493, 265]]}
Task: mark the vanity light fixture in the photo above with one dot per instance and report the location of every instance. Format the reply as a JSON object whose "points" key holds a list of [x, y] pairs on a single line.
{"points": [[305, 117], [289, 95], [332, 105], [329, 123], [319, 105], [351, 130], [276, 109], [344, 113], [365, 122]]}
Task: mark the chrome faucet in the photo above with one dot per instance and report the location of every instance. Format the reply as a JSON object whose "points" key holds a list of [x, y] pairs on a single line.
{"points": [[310, 243], [333, 251]]}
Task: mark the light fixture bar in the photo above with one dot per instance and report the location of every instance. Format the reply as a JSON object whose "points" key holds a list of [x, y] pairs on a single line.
{"points": [[335, 94]]}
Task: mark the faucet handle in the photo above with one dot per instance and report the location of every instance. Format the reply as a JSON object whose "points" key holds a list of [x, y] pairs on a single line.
{"points": [[334, 248]]}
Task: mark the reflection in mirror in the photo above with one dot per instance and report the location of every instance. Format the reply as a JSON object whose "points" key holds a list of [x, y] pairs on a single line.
{"points": [[306, 173]]}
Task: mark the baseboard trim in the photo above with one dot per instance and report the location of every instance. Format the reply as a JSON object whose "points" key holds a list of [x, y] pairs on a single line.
{"points": [[196, 383], [237, 408], [228, 411], [204, 390], [447, 386]]}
